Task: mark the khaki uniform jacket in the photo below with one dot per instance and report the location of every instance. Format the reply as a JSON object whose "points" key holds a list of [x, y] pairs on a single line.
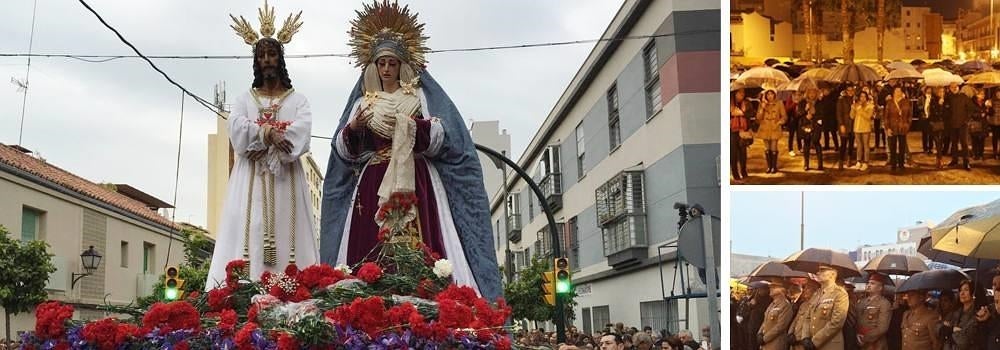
{"points": [[827, 316], [874, 313], [920, 329], [776, 320], [800, 323]]}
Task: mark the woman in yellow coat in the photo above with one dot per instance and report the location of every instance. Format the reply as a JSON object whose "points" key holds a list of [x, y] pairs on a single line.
{"points": [[772, 117]]}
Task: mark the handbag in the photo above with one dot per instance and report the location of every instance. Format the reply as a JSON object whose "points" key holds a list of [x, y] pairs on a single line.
{"points": [[746, 138]]}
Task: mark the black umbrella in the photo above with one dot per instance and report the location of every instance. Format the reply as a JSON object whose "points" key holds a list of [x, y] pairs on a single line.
{"points": [[917, 62], [771, 61], [853, 73], [864, 279], [896, 264], [811, 259], [776, 269], [932, 280]]}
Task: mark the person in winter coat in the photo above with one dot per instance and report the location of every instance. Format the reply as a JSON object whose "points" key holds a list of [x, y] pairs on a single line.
{"points": [[863, 116], [811, 126], [845, 126], [898, 117], [771, 118]]}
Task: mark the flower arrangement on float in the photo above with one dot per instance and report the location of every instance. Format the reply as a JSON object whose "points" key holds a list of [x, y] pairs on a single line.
{"points": [[402, 298]]}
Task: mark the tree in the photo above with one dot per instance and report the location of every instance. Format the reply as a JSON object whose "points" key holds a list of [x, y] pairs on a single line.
{"points": [[526, 297], [194, 270], [24, 271], [808, 25]]}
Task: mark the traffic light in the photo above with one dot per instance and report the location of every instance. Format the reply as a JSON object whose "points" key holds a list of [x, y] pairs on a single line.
{"points": [[172, 284], [563, 284], [549, 286]]}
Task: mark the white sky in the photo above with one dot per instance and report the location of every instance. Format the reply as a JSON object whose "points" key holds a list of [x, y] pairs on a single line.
{"points": [[118, 121]]}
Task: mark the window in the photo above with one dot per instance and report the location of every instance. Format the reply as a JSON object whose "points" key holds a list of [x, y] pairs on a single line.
{"points": [[587, 326], [907, 24], [654, 97], [659, 315], [601, 316], [581, 151], [124, 254], [31, 224], [148, 257], [543, 244], [531, 207], [614, 123], [621, 212], [496, 245]]}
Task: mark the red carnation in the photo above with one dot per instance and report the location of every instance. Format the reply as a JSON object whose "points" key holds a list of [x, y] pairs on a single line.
{"points": [[182, 345], [101, 334], [383, 233], [426, 289], [126, 332], [244, 338], [370, 272], [220, 298], [227, 321], [51, 317], [503, 343], [234, 269], [301, 294], [400, 314], [252, 313], [193, 295], [464, 294], [287, 342], [319, 276], [292, 270], [170, 317], [367, 315], [451, 314]]}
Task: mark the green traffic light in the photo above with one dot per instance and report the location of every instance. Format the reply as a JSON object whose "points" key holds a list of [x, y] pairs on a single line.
{"points": [[563, 287], [170, 293]]}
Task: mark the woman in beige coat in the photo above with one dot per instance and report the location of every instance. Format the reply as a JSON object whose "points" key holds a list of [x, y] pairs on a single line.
{"points": [[772, 117], [863, 113]]}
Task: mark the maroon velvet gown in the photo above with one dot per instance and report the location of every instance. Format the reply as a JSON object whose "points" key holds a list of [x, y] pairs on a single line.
{"points": [[364, 230]]}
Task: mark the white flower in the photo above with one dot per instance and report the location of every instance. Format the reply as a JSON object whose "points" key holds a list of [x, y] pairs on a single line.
{"points": [[344, 268], [442, 268]]}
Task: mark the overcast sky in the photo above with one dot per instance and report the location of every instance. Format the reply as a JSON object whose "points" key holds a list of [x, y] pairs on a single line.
{"points": [[767, 223], [118, 121]]}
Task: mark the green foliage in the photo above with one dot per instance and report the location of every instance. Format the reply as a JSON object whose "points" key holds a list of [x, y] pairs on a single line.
{"points": [[24, 271], [527, 299], [194, 271]]}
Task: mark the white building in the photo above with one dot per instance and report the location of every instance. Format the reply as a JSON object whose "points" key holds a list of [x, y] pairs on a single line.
{"points": [[636, 130], [907, 242], [488, 133], [914, 27]]}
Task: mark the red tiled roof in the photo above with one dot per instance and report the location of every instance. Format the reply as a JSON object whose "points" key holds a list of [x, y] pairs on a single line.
{"points": [[13, 157]]}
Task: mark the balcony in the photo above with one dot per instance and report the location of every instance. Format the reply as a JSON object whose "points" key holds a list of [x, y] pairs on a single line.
{"points": [[552, 190], [514, 227]]}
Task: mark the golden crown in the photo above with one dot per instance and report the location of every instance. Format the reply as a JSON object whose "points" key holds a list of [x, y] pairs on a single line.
{"points": [[383, 25], [266, 17]]}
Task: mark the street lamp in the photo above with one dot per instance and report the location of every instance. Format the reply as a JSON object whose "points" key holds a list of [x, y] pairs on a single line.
{"points": [[91, 259]]}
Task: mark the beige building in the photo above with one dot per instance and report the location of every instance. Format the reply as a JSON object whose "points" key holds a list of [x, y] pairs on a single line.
{"points": [[220, 163], [756, 37], [949, 41], [44, 202]]}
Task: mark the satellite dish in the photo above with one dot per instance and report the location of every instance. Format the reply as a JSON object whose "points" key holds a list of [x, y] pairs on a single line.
{"points": [[691, 243]]}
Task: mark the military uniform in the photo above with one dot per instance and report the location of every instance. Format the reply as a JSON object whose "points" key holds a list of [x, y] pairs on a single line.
{"points": [[874, 313], [775, 326], [920, 329], [827, 316], [800, 324]]}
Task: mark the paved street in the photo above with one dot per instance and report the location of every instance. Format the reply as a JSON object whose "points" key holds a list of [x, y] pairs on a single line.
{"points": [[921, 170]]}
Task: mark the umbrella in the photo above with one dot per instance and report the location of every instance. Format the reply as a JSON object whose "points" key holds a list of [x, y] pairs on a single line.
{"points": [[900, 65], [985, 78], [864, 279], [917, 62], [972, 232], [817, 73], [878, 68], [926, 249], [802, 83], [853, 73], [933, 279], [770, 62], [758, 76], [810, 259], [776, 269], [896, 264], [974, 66], [939, 77], [904, 73]]}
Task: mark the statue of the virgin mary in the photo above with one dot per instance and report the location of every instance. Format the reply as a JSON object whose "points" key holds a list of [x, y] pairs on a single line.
{"points": [[401, 136]]}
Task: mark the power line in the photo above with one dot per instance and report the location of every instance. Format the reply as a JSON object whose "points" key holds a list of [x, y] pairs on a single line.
{"points": [[108, 58], [27, 72], [198, 99]]}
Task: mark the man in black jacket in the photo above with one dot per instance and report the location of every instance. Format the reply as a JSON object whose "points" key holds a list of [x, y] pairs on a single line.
{"points": [[845, 126], [962, 108]]}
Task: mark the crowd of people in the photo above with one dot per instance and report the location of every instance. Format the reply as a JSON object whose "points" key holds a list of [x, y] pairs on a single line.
{"points": [[826, 313], [614, 337], [853, 121]]}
